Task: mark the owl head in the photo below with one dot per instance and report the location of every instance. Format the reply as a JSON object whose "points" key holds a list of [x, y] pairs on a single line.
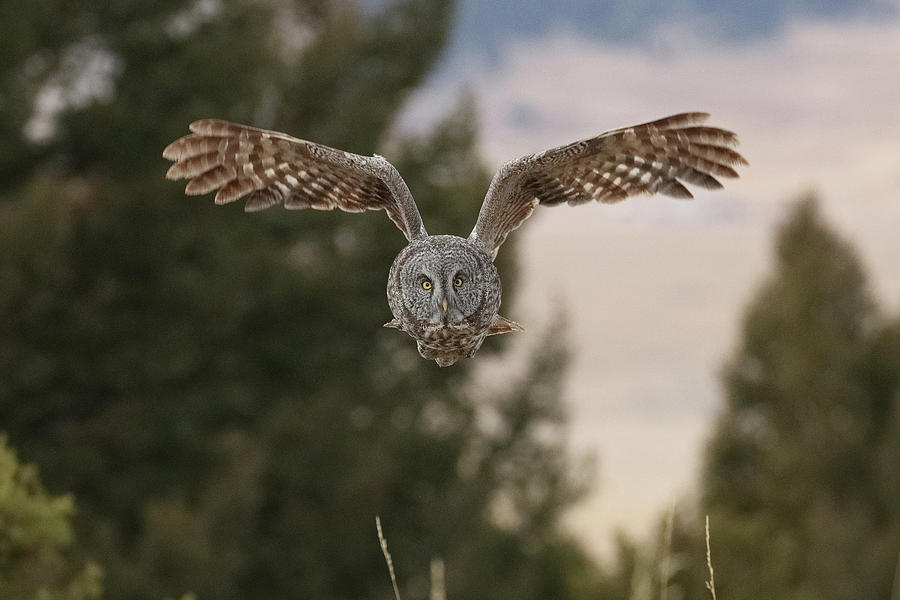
{"points": [[444, 281]]}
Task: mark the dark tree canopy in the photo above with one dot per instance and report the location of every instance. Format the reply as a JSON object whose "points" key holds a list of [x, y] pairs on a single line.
{"points": [[215, 388]]}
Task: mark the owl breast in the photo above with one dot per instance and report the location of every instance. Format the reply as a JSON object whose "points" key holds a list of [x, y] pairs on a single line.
{"points": [[444, 292]]}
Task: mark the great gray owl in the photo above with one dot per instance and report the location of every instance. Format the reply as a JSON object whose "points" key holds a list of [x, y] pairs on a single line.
{"points": [[444, 290]]}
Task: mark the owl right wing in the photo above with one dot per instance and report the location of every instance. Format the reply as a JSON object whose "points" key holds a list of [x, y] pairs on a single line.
{"points": [[274, 168], [644, 159]]}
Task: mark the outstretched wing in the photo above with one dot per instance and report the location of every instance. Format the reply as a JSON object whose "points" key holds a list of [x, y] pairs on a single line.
{"points": [[650, 158], [274, 168]]}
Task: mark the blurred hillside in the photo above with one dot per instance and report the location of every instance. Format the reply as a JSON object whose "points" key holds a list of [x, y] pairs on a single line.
{"points": [[483, 27]]}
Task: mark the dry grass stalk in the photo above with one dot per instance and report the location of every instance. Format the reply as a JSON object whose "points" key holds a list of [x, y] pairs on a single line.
{"points": [[895, 594], [438, 589], [711, 584], [387, 557], [666, 565]]}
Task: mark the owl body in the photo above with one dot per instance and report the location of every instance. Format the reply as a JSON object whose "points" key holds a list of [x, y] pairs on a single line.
{"points": [[444, 290]]}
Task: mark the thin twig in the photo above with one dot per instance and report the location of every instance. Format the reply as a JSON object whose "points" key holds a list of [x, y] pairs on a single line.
{"points": [[711, 584], [387, 557], [666, 565]]}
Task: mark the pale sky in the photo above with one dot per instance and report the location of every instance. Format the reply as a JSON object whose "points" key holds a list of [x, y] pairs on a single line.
{"points": [[655, 287]]}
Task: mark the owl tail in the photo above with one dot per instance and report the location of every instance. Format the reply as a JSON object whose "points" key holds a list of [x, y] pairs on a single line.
{"points": [[503, 325]]}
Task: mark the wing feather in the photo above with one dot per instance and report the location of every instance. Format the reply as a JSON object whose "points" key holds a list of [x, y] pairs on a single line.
{"points": [[651, 158], [272, 168]]}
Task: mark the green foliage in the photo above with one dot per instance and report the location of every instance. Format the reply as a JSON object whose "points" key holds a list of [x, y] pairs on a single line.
{"points": [[797, 467], [801, 481], [35, 539], [215, 388], [801, 474]]}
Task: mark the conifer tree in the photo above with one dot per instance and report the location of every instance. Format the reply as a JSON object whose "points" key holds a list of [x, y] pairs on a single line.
{"points": [[801, 462], [801, 479], [214, 387]]}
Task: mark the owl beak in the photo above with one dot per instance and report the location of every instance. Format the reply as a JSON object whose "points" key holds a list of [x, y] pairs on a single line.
{"points": [[444, 311]]}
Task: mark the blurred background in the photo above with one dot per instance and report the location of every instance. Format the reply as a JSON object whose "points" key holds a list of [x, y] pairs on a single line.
{"points": [[196, 400]]}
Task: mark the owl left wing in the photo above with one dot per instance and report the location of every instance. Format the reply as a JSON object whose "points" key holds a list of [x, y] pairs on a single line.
{"points": [[274, 168], [650, 158]]}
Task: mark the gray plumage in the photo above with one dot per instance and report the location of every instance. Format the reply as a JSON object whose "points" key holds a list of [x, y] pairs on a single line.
{"points": [[443, 290]]}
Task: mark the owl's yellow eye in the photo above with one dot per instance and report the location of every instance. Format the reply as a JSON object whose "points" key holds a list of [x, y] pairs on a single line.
{"points": [[426, 285], [458, 282]]}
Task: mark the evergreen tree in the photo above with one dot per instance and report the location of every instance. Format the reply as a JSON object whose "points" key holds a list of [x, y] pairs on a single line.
{"points": [[801, 474], [215, 387], [801, 479], [35, 538]]}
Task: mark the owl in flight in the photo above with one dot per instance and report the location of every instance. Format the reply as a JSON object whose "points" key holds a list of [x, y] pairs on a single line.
{"points": [[444, 290]]}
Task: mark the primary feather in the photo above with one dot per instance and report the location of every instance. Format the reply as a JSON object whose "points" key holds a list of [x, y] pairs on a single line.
{"points": [[273, 168], [654, 157]]}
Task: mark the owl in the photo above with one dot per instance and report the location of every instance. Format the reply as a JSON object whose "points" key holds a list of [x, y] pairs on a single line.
{"points": [[444, 290]]}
